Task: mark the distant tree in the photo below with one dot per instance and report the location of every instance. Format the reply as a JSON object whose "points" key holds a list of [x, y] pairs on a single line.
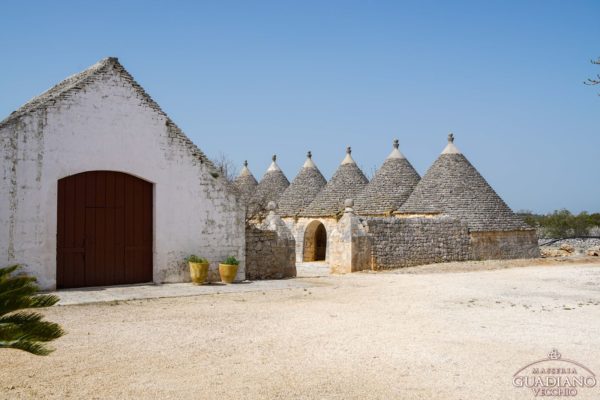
{"points": [[530, 218], [596, 80], [24, 330], [226, 166]]}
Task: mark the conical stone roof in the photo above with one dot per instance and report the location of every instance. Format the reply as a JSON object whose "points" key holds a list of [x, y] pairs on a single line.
{"points": [[245, 183], [454, 187], [303, 189], [271, 186], [390, 187], [347, 182]]}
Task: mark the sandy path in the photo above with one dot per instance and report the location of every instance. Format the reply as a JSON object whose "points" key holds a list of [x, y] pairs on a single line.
{"points": [[385, 335]]}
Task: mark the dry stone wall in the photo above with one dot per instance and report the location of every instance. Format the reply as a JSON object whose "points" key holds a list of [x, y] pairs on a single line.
{"points": [[404, 242], [504, 245], [270, 250]]}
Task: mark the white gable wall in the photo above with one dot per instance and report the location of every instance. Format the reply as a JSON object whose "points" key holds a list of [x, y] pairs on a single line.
{"points": [[108, 125]]}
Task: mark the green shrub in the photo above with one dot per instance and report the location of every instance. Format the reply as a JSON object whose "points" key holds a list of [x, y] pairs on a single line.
{"points": [[231, 260], [562, 223], [195, 259]]}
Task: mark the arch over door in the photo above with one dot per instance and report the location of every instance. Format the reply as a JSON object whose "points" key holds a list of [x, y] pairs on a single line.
{"points": [[104, 230], [315, 242]]}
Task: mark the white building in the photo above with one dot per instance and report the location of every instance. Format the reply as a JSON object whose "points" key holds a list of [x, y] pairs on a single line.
{"points": [[100, 187]]}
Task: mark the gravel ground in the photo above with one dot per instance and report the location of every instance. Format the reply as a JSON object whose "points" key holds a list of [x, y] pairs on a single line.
{"points": [[418, 333]]}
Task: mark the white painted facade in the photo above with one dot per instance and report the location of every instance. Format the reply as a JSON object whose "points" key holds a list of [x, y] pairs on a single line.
{"points": [[110, 124]]}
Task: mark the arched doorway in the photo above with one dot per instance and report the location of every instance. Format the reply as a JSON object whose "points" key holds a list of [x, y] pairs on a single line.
{"points": [[315, 242], [104, 230]]}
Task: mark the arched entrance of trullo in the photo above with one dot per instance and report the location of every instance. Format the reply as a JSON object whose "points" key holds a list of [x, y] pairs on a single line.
{"points": [[105, 232], [315, 242]]}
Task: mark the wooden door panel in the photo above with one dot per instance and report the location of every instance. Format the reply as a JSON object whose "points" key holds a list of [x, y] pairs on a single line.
{"points": [[104, 230]]}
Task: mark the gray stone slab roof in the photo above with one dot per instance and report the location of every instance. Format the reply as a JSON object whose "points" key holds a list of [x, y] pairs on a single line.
{"points": [[390, 187], [303, 189], [79, 81], [454, 187], [347, 182], [271, 186], [245, 183]]}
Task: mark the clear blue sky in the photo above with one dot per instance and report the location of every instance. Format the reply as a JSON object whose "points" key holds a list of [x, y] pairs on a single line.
{"points": [[253, 78]]}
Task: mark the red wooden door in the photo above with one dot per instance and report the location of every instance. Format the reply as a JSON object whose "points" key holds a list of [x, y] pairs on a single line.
{"points": [[104, 234]]}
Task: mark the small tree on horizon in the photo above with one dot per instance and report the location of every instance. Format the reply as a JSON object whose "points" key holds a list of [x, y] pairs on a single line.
{"points": [[19, 329]]}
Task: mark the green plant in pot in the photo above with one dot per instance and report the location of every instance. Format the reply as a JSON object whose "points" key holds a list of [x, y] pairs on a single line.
{"points": [[228, 269], [198, 269]]}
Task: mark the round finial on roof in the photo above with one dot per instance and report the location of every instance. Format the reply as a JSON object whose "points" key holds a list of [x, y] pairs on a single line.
{"points": [[245, 163], [348, 150], [274, 157], [309, 154], [451, 138], [349, 203], [271, 206], [396, 143]]}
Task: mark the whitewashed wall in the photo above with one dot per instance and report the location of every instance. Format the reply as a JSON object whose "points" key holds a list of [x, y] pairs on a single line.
{"points": [[108, 125]]}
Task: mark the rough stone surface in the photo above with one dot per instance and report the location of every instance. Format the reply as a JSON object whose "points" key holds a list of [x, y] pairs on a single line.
{"points": [[102, 119], [270, 188], [299, 226], [270, 250], [404, 242], [504, 245], [347, 182], [245, 184], [350, 245], [390, 187], [302, 191], [454, 187]]}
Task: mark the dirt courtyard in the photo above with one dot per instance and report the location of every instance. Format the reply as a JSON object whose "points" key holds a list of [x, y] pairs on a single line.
{"points": [[414, 334]]}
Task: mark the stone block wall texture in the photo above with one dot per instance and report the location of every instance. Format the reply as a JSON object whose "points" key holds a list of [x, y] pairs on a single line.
{"points": [[504, 245], [270, 249], [105, 121], [405, 242], [351, 245], [269, 255]]}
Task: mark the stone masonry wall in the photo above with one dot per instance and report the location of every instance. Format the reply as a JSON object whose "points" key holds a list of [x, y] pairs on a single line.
{"points": [[269, 256], [405, 242], [504, 245]]}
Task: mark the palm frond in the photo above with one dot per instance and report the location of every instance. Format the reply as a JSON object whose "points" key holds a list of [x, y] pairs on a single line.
{"points": [[39, 349], [24, 330]]}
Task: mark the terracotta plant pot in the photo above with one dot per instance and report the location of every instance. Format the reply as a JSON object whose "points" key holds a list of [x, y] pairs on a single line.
{"points": [[228, 272], [198, 272]]}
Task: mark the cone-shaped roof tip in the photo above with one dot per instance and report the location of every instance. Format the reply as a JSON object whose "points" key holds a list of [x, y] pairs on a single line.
{"points": [[451, 147], [348, 159], [245, 170], [395, 151], [274, 166], [309, 163]]}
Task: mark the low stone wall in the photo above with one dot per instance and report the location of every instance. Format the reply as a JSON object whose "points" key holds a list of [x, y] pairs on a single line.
{"points": [[405, 242], [270, 250], [504, 245]]}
